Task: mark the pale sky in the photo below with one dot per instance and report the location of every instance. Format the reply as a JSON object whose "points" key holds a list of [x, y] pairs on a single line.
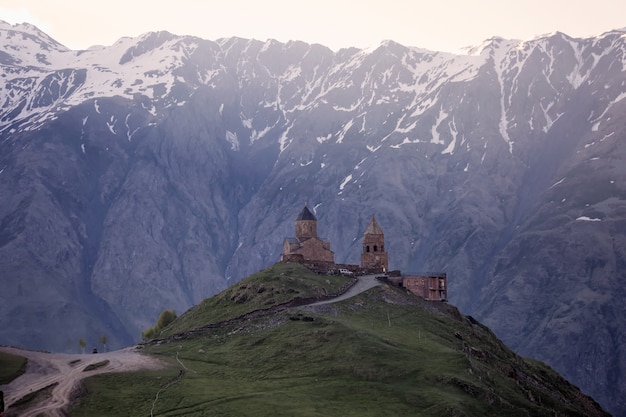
{"points": [[441, 25]]}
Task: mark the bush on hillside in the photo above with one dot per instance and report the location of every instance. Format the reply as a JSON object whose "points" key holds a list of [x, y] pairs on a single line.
{"points": [[165, 318]]}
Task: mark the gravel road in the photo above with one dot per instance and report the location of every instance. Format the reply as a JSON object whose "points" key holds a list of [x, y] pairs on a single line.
{"points": [[66, 370], [364, 283]]}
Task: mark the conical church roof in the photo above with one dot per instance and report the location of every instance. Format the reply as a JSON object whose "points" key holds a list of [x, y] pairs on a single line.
{"points": [[305, 214], [373, 228]]}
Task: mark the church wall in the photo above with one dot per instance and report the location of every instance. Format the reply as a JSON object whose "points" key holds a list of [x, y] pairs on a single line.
{"points": [[375, 260], [316, 249], [306, 229]]}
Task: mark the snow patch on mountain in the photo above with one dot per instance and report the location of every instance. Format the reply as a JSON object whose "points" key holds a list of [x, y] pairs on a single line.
{"points": [[345, 130], [435, 134], [588, 219], [345, 181], [231, 138], [454, 133]]}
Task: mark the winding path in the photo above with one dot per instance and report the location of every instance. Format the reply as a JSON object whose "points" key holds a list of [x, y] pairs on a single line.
{"points": [[67, 370], [363, 283]]}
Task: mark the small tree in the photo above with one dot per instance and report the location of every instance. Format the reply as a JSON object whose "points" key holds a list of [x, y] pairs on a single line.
{"points": [[148, 334], [82, 344], [165, 318], [103, 342]]}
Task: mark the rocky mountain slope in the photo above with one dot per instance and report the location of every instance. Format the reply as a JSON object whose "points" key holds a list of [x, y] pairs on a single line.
{"points": [[155, 172]]}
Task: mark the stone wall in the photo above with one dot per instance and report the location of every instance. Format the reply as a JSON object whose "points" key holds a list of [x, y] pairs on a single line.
{"points": [[429, 287], [315, 249]]}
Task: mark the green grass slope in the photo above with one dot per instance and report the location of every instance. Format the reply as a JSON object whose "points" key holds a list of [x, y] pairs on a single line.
{"points": [[279, 284], [11, 366], [382, 353]]}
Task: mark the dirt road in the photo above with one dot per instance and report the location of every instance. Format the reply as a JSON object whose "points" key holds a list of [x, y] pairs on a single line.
{"points": [[66, 370], [364, 283]]}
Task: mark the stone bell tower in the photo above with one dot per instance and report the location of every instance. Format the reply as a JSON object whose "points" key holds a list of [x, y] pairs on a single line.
{"points": [[374, 256]]}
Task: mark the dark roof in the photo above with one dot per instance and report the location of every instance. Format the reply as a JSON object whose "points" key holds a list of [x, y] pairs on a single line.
{"points": [[373, 228], [305, 214]]}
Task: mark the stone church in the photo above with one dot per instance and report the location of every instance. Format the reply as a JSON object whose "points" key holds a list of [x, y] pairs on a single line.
{"points": [[309, 249], [306, 246]]}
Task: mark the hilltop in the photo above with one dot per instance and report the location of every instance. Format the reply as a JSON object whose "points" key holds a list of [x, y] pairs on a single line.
{"points": [[382, 352]]}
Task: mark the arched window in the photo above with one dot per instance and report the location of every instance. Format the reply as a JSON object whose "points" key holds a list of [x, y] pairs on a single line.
{"points": [[367, 248], [375, 248]]}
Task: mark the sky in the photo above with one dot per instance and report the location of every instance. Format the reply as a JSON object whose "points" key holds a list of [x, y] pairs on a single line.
{"points": [[440, 25]]}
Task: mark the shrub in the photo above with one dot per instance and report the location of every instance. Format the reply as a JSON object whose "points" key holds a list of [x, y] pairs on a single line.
{"points": [[165, 318]]}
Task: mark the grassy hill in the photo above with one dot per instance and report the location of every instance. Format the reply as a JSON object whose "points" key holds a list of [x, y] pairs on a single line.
{"points": [[384, 352], [280, 284]]}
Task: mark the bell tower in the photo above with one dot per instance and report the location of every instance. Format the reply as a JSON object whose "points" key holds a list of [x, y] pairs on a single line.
{"points": [[374, 255]]}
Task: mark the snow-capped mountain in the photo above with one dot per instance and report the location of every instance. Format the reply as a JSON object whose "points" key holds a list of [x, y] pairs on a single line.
{"points": [[154, 172]]}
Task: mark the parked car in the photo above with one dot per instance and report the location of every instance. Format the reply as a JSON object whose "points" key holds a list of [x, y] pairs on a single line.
{"points": [[346, 272]]}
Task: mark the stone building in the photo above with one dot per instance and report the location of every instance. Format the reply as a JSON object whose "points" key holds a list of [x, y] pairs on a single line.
{"points": [[374, 256], [306, 246], [431, 286]]}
